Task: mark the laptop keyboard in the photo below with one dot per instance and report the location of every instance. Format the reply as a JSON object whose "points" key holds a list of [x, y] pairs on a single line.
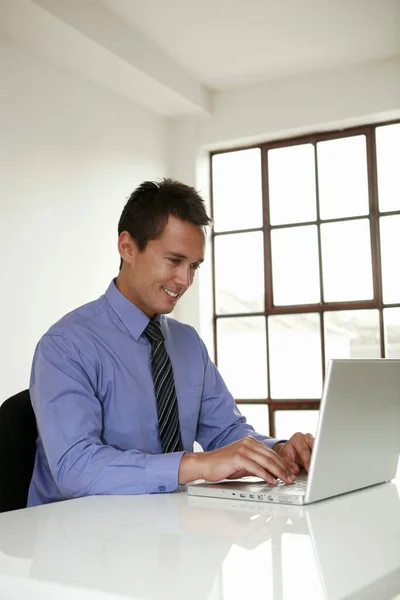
{"points": [[298, 486]]}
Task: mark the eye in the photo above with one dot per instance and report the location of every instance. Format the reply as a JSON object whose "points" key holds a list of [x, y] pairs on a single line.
{"points": [[195, 266], [175, 261]]}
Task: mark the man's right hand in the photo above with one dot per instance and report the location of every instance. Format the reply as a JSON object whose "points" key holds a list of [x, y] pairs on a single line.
{"points": [[240, 459]]}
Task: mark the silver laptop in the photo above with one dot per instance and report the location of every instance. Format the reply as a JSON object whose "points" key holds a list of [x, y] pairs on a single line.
{"points": [[357, 442]]}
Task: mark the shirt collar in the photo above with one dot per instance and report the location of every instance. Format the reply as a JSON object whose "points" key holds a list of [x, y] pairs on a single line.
{"points": [[131, 316]]}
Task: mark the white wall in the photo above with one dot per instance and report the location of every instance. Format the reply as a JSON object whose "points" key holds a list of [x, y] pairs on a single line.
{"points": [[311, 102], [70, 154]]}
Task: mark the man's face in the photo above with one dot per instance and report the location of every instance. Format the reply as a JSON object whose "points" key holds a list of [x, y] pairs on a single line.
{"points": [[156, 278]]}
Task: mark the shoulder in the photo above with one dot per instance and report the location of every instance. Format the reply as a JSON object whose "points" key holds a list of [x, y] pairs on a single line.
{"points": [[81, 316], [76, 328]]}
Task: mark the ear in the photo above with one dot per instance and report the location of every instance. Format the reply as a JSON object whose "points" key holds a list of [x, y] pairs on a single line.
{"points": [[127, 247]]}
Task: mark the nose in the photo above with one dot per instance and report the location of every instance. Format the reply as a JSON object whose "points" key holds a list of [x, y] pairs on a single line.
{"points": [[184, 276]]}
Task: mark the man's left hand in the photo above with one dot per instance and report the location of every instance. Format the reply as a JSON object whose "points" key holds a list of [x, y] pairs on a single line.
{"points": [[296, 452]]}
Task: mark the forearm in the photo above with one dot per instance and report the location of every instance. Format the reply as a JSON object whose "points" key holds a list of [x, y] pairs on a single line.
{"points": [[100, 469]]}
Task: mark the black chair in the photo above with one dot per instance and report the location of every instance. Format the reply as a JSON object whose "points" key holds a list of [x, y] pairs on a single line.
{"points": [[18, 433]]}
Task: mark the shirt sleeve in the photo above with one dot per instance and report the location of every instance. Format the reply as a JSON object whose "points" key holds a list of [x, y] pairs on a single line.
{"points": [[69, 420], [221, 422]]}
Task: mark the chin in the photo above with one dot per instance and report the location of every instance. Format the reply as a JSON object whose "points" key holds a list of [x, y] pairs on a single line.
{"points": [[162, 309], [167, 310]]}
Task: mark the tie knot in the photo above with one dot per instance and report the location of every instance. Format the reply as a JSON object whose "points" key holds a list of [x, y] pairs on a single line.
{"points": [[154, 331]]}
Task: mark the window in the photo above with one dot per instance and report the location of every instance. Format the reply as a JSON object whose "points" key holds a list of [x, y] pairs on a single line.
{"points": [[305, 265]]}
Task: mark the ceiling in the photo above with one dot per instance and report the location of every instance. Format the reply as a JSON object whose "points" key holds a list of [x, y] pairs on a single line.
{"points": [[171, 55], [231, 43]]}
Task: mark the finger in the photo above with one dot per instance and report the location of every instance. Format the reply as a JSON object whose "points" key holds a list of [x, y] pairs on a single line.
{"points": [[310, 440], [294, 467], [289, 455], [277, 466], [283, 462], [286, 459], [272, 463], [302, 448], [254, 468]]}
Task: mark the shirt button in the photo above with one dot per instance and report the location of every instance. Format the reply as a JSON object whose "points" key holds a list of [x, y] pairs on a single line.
{"points": [[162, 488]]}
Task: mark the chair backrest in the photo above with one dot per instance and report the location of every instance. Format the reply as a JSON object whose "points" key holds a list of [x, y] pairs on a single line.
{"points": [[18, 433]]}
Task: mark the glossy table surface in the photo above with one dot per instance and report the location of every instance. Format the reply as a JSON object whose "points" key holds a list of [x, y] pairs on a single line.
{"points": [[173, 546]]}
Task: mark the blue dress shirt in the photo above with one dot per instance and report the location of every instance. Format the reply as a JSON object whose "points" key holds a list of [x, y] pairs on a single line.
{"points": [[93, 396]]}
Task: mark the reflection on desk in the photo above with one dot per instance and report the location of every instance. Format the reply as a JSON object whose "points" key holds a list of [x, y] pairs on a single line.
{"points": [[177, 546]]}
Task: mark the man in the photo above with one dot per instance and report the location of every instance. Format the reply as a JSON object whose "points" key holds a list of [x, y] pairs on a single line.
{"points": [[121, 392]]}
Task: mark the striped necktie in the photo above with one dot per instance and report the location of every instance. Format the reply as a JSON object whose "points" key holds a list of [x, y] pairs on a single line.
{"points": [[164, 387]]}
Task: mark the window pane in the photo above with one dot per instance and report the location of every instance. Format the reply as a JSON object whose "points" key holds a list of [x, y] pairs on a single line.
{"points": [[295, 270], [346, 261], [242, 356], [352, 334], [239, 273], [391, 320], [387, 158], [257, 416], [288, 422], [295, 356], [390, 253], [342, 177], [237, 190], [291, 182]]}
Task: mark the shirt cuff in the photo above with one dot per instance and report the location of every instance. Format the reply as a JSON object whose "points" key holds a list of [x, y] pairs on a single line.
{"points": [[162, 472], [270, 442]]}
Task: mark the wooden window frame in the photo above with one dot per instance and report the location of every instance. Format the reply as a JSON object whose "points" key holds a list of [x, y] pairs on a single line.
{"points": [[321, 307]]}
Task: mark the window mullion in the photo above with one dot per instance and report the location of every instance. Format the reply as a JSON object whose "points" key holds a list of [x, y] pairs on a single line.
{"points": [[374, 228]]}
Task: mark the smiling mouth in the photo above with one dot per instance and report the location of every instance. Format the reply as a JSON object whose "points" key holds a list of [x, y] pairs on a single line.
{"points": [[170, 293]]}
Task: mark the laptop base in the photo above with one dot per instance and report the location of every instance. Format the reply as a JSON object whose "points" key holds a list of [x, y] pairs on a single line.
{"points": [[253, 489]]}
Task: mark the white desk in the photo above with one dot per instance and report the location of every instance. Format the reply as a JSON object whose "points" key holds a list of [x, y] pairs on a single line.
{"points": [[173, 546]]}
